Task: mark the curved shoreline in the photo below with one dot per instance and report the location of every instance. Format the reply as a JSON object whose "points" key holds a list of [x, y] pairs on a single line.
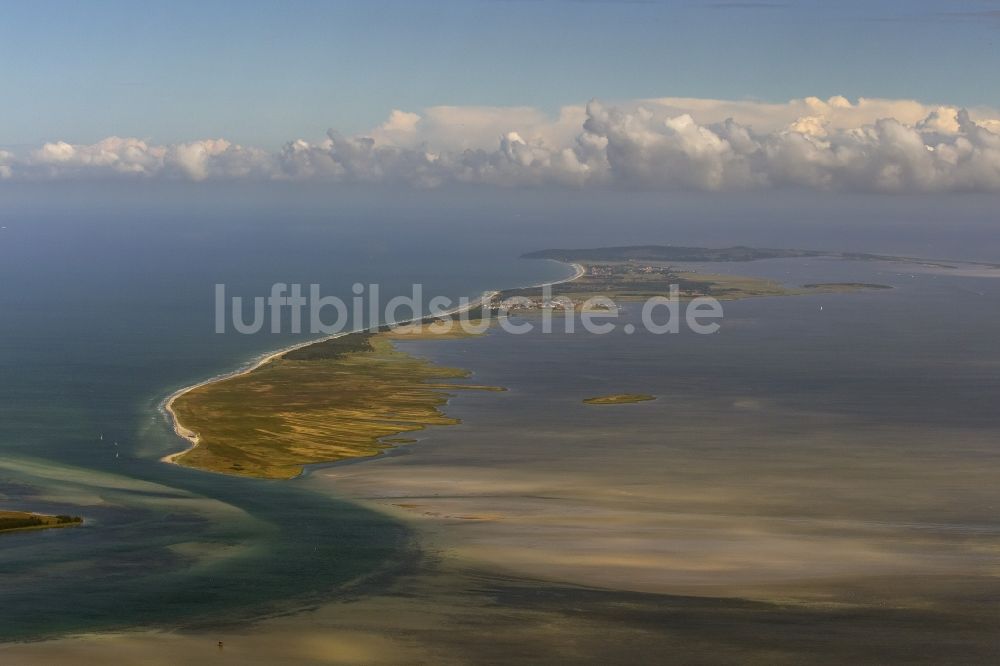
{"points": [[166, 405]]}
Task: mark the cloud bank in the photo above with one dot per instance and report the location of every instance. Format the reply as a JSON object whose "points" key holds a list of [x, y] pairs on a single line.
{"points": [[655, 144]]}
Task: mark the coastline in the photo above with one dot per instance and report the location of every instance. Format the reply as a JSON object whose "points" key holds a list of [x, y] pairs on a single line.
{"points": [[166, 405]]}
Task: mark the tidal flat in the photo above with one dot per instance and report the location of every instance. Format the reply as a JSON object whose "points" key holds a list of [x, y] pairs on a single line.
{"points": [[456, 616], [763, 510], [765, 489], [619, 399]]}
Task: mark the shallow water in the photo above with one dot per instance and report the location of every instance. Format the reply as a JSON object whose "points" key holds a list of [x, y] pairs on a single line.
{"points": [[836, 449], [101, 322]]}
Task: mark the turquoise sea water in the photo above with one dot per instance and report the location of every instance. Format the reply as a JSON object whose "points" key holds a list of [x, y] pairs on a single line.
{"points": [[102, 317]]}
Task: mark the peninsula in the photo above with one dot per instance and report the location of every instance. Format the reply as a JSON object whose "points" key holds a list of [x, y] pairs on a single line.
{"points": [[679, 253], [353, 395], [345, 397]]}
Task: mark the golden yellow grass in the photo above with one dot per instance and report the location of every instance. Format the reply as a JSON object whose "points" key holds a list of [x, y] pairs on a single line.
{"points": [[20, 521], [444, 329], [286, 414]]}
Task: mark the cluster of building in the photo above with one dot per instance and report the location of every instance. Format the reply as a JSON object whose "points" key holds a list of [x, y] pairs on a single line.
{"points": [[524, 303], [655, 270], [608, 270]]}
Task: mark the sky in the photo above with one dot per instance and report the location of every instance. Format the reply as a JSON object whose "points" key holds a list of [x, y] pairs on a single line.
{"points": [[261, 75]]}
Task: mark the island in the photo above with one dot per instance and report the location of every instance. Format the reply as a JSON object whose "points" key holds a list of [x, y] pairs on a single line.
{"points": [[619, 399], [21, 521], [671, 253], [639, 280], [357, 395], [679, 253]]}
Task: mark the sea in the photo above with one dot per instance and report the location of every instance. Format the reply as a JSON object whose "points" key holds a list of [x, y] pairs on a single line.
{"points": [[875, 409]]}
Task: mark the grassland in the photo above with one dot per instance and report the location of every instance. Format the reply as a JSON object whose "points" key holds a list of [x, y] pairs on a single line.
{"points": [[320, 403], [619, 399], [20, 521], [733, 287]]}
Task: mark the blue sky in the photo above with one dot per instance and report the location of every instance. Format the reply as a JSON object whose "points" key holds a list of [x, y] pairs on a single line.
{"points": [[261, 73]]}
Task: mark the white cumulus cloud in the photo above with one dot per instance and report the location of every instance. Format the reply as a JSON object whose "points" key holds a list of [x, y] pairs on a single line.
{"points": [[665, 143]]}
